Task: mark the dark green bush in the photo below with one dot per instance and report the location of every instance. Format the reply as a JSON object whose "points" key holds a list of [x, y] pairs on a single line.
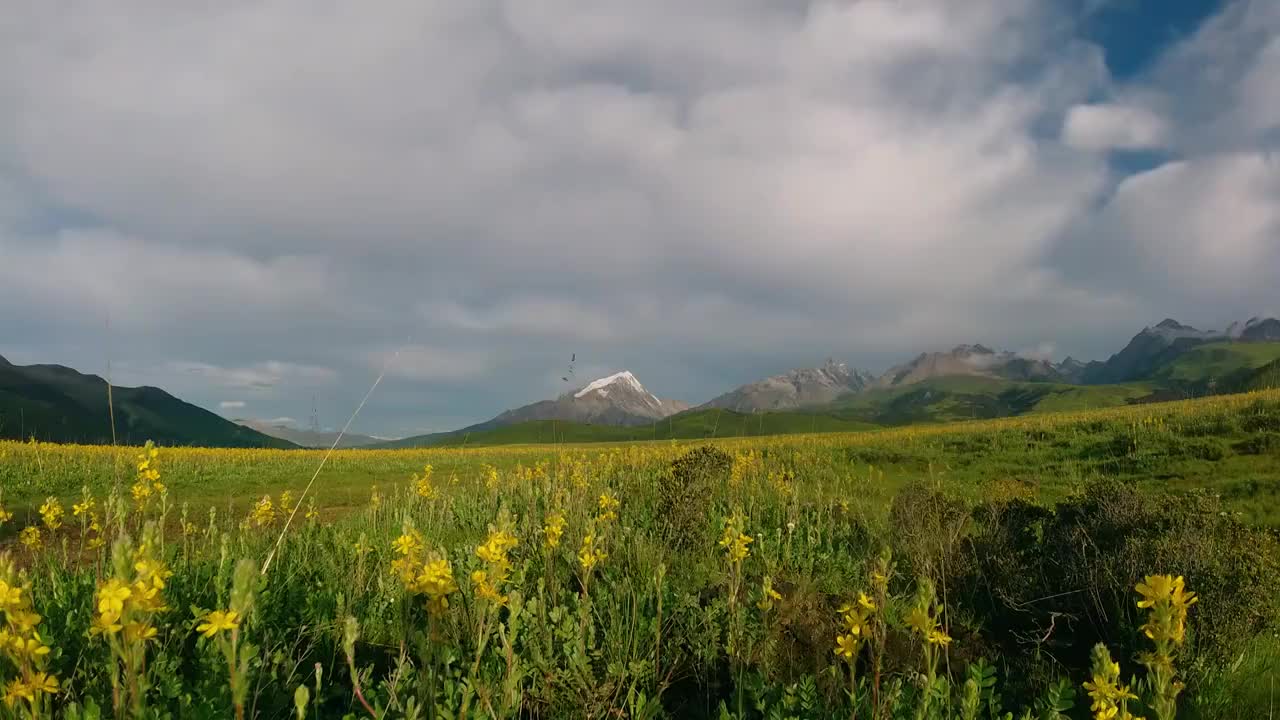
{"points": [[684, 495], [1051, 583]]}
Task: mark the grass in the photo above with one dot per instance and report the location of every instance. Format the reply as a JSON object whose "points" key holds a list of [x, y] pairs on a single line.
{"points": [[665, 624]]}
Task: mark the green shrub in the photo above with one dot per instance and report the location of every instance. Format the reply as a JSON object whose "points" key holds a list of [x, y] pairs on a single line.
{"points": [[1052, 583], [685, 490]]}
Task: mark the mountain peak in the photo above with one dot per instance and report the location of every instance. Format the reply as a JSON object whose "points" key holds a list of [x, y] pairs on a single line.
{"points": [[978, 349], [1171, 324], [801, 387], [618, 399], [624, 378]]}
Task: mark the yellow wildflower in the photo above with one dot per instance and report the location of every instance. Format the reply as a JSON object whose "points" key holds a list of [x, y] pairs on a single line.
{"points": [[495, 548], [10, 597], [553, 529], [43, 682], [218, 621], [609, 505], [112, 596], [30, 537], [590, 554], [17, 690], [768, 596], [846, 646], [407, 544], [920, 621], [51, 512]]}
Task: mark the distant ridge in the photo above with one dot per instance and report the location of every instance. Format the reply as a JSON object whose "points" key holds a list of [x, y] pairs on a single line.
{"points": [[308, 438]]}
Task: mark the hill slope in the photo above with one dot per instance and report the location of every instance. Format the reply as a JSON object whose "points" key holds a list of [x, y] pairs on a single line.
{"points": [[950, 398], [1215, 367], [57, 404]]}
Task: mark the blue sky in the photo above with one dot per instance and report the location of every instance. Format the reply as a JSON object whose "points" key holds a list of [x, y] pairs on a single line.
{"points": [[252, 204], [1133, 33]]}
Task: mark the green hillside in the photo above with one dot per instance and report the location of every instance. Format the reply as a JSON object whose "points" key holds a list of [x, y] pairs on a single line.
{"points": [[57, 404], [1266, 377], [1217, 367], [687, 425], [947, 399]]}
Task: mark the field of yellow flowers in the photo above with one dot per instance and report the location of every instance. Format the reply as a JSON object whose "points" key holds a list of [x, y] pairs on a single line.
{"points": [[1114, 564]]}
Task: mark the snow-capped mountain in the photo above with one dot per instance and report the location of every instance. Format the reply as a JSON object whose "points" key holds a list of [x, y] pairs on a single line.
{"points": [[618, 399], [795, 389]]}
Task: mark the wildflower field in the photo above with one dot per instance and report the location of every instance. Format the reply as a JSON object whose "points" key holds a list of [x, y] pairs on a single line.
{"points": [[1109, 564]]}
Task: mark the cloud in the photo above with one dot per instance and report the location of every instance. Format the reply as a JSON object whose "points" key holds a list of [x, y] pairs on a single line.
{"points": [[1211, 223], [231, 404], [430, 364], [259, 376], [1111, 126], [700, 193]]}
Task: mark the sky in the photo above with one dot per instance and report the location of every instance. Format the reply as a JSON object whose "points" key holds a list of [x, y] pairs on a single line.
{"points": [[261, 204]]}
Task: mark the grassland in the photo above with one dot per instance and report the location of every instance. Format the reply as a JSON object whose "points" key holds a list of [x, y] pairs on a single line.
{"points": [[637, 609]]}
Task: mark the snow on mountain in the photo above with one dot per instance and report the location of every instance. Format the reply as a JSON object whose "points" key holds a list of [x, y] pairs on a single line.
{"points": [[624, 378], [618, 399]]}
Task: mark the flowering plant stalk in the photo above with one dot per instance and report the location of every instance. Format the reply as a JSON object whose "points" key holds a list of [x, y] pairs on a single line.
{"points": [[1167, 600], [23, 651], [224, 628], [127, 605]]}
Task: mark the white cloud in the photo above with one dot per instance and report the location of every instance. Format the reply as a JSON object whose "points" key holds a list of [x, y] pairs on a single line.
{"points": [[1212, 223], [1108, 126], [231, 404]]}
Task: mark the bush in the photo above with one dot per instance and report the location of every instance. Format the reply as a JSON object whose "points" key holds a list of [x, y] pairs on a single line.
{"points": [[925, 527], [1258, 444], [684, 495], [1055, 582]]}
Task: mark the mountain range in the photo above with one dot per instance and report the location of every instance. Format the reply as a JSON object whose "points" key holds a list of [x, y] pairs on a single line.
{"points": [[1165, 361]]}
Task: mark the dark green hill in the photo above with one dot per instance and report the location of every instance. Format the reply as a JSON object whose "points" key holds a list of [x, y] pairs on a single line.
{"points": [[53, 403], [686, 425]]}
